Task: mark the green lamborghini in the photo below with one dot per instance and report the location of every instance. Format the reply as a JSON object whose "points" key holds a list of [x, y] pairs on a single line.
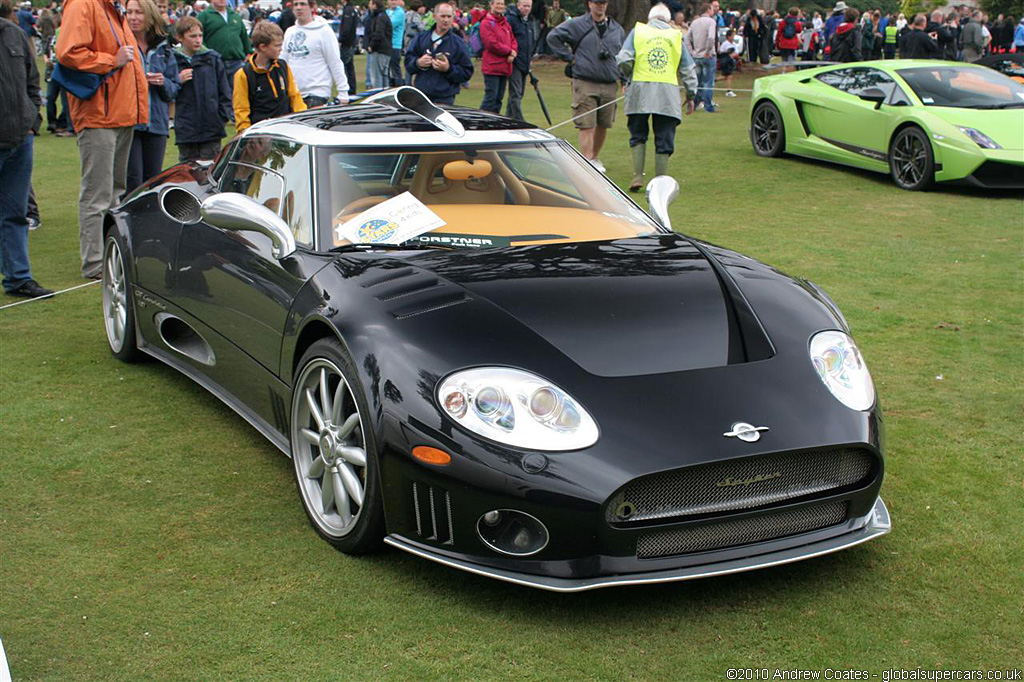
{"points": [[920, 121]]}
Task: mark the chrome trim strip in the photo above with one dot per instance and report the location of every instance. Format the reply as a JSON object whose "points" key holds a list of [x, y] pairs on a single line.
{"points": [[876, 523]]}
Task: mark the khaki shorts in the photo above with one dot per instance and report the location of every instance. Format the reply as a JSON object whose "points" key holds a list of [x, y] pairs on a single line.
{"points": [[587, 96]]}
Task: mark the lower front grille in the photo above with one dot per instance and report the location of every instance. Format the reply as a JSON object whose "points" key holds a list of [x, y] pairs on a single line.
{"points": [[734, 532], [999, 174], [433, 510], [734, 485]]}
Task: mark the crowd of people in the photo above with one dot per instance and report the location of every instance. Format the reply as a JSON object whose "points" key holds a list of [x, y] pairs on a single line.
{"points": [[121, 74]]}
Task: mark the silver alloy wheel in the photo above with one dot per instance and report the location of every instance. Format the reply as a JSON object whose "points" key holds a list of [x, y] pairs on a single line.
{"points": [[910, 159], [766, 129], [328, 448], [115, 297]]}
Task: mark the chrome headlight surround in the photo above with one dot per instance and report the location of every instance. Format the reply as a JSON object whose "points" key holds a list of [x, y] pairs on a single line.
{"points": [[516, 408], [841, 368], [979, 138]]}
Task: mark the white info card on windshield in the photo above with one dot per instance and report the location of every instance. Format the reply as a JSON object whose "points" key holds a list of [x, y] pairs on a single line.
{"points": [[394, 221]]}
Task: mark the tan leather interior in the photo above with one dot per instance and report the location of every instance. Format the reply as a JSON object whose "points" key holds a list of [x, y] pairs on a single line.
{"points": [[432, 187]]}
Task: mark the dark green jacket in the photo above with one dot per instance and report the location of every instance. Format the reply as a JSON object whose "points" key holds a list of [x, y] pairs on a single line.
{"points": [[230, 40]]}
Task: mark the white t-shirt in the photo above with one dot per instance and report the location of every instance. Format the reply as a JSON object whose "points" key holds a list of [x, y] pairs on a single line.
{"points": [[725, 46]]}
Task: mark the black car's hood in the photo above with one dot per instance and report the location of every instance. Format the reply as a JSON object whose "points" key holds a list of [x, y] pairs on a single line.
{"points": [[647, 305]]}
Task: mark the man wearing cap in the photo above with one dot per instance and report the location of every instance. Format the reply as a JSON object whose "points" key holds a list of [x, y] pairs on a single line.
{"points": [[832, 23], [589, 43]]}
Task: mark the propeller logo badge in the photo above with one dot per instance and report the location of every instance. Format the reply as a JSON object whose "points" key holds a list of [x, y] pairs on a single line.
{"points": [[747, 433]]}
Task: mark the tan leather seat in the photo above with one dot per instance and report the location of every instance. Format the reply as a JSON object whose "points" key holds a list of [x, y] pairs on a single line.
{"points": [[431, 187]]}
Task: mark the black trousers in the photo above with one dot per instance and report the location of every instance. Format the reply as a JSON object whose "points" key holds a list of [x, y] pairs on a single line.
{"points": [[53, 121], [146, 158], [664, 131], [347, 54]]}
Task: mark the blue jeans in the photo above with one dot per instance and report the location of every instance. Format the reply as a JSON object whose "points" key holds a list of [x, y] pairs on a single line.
{"points": [[494, 92], [15, 175], [705, 80]]}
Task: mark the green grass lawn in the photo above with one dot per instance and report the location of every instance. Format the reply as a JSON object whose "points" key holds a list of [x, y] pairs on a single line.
{"points": [[147, 532]]}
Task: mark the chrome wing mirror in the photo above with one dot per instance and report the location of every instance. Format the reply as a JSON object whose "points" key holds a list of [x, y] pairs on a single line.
{"points": [[662, 191], [233, 211]]}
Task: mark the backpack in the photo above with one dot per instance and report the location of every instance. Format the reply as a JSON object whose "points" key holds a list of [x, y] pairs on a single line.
{"points": [[789, 29], [476, 43]]}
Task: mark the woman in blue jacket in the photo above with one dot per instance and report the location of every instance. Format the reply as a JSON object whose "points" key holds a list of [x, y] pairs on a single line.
{"points": [[150, 141]]}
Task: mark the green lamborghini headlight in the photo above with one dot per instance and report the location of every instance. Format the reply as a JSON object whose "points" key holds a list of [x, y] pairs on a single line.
{"points": [[980, 138]]}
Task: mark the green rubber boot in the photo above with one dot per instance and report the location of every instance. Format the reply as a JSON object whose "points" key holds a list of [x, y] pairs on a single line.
{"points": [[661, 164], [639, 152]]}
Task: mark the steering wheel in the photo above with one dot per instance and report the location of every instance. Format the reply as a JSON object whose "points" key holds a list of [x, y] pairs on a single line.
{"points": [[358, 206]]}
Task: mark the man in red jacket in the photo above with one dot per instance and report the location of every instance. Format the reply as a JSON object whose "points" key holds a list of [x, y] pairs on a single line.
{"points": [[499, 53], [787, 38]]}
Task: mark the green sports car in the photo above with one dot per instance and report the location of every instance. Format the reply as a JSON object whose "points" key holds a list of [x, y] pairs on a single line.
{"points": [[920, 121]]}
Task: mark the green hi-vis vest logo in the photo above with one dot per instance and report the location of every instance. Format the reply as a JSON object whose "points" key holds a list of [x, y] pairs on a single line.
{"points": [[658, 51]]}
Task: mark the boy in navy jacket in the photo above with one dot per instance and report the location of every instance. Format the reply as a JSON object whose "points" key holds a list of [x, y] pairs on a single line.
{"points": [[204, 100]]}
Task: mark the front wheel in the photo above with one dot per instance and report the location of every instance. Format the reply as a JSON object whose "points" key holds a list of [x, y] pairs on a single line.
{"points": [[911, 160], [118, 311], [334, 452], [767, 132]]}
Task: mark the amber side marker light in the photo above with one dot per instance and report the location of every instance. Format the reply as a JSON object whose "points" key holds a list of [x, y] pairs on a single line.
{"points": [[431, 455]]}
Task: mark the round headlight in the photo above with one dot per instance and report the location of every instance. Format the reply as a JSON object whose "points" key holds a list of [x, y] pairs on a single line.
{"points": [[838, 362], [516, 408]]}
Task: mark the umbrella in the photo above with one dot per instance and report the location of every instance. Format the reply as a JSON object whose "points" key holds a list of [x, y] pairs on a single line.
{"points": [[535, 82]]}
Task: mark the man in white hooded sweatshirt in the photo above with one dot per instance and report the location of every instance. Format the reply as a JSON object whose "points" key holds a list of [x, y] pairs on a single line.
{"points": [[311, 50]]}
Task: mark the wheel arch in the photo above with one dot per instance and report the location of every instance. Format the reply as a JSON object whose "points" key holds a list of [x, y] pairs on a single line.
{"points": [[313, 330]]}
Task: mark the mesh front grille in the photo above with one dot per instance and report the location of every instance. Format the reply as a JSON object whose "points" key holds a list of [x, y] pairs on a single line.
{"points": [[738, 484], [739, 531]]}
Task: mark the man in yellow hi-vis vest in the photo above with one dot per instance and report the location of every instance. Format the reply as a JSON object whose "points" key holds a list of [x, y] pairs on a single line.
{"points": [[657, 60]]}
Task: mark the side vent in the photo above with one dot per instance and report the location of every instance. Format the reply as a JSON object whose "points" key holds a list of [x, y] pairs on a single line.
{"points": [[180, 337], [433, 509]]}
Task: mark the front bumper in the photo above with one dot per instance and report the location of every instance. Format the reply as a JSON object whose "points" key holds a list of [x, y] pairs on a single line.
{"points": [[872, 525]]}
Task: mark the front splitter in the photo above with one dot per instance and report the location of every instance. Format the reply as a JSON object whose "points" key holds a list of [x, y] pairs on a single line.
{"points": [[877, 523]]}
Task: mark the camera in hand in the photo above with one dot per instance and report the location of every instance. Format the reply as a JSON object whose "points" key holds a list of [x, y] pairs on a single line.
{"points": [[604, 54]]}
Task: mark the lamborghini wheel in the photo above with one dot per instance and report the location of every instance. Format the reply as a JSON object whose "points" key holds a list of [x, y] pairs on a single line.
{"points": [[118, 311], [334, 452], [767, 133], [911, 161]]}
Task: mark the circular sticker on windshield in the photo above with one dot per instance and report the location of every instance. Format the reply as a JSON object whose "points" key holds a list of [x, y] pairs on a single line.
{"points": [[377, 230]]}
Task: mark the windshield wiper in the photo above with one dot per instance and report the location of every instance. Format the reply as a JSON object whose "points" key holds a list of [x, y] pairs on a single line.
{"points": [[356, 248], [1004, 105]]}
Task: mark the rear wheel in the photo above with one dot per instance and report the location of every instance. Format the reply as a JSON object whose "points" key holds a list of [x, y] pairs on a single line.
{"points": [[767, 132], [334, 451], [118, 311], [911, 160]]}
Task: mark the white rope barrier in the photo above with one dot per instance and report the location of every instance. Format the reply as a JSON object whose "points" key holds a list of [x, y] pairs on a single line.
{"points": [[622, 97], [54, 295]]}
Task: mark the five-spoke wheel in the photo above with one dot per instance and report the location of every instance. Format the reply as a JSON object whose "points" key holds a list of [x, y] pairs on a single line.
{"points": [[767, 132], [333, 453], [911, 160], [118, 313]]}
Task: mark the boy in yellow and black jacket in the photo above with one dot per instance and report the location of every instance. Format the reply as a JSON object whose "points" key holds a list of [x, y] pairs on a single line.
{"points": [[264, 86]]}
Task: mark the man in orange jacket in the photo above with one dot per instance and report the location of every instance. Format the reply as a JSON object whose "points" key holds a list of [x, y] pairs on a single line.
{"points": [[94, 37]]}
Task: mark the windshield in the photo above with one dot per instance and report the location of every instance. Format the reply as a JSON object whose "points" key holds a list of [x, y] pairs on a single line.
{"points": [[969, 88], [471, 197]]}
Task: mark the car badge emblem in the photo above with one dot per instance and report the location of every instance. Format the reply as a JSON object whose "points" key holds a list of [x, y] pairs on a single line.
{"points": [[745, 432], [731, 482]]}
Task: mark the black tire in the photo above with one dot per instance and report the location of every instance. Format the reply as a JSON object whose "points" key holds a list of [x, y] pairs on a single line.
{"points": [[767, 131], [118, 305], [353, 524], [911, 159]]}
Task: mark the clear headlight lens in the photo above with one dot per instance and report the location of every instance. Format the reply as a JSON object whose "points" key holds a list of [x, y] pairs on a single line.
{"points": [[839, 364], [980, 138], [516, 408]]}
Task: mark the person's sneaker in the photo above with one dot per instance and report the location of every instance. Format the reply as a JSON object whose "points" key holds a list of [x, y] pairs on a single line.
{"points": [[34, 224], [30, 289], [596, 163], [730, 93]]}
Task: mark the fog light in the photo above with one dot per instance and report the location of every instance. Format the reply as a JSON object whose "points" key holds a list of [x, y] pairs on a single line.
{"points": [[508, 531]]}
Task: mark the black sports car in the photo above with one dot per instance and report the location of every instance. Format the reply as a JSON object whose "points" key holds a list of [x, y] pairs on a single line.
{"points": [[479, 350]]}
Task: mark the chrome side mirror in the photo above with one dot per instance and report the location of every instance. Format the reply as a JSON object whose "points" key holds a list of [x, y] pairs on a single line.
{"points": [[232, 211], [662, 191]]}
